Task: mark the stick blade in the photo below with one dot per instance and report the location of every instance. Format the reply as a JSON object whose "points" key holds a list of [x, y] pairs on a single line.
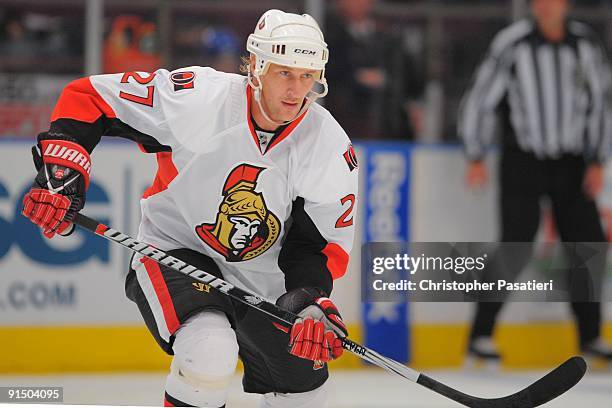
{"points": [[555, 383], [547, 388], [540, 392]]}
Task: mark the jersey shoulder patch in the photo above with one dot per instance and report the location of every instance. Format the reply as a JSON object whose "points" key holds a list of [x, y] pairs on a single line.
{"points": [[350, 157], [183, 79]]}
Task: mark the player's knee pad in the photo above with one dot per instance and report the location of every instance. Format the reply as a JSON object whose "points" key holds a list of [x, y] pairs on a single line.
{"points": [[205, 357], [316, 398]]}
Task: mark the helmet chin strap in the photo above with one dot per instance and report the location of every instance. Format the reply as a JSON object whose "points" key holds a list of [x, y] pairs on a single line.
{"points": [[258, 89]]}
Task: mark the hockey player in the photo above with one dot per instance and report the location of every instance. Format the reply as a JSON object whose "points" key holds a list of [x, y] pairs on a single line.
{"points": [[255, 183]]}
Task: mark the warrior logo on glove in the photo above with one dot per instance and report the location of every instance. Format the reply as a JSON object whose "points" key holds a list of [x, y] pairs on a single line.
{"points": [[244, 227], [58, 191]]}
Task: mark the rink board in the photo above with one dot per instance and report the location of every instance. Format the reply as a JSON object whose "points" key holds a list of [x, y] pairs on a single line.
{"points": [[62, 306]]}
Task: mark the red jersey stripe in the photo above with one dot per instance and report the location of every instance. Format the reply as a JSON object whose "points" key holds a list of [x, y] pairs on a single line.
{"points": [[163, 295], [249, 121], [80, 101], [166, 172], [280, 137], [337, 260], [287, 131]]}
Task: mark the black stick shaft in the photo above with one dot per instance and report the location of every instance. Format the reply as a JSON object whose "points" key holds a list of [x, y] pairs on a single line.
{"points": [[276, 313], [550, 386]]}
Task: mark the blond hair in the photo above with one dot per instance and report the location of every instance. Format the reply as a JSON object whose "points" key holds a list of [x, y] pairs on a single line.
{"points": [[245, 61]]}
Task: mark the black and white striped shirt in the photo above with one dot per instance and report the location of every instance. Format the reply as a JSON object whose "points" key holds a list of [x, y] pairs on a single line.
{"points": [[554, 94]]}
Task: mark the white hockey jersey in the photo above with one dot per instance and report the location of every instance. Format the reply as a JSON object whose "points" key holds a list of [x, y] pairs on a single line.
{"points": [[275, 213]]}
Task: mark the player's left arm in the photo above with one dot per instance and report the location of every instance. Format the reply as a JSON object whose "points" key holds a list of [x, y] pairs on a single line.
{"points": [[316, 251]]}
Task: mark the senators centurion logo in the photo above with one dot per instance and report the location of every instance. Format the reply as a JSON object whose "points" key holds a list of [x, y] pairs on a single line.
{"points": [[244, 227]]}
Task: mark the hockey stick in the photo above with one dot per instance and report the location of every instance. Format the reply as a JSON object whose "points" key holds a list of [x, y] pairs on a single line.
{"points": [[545, 389]]}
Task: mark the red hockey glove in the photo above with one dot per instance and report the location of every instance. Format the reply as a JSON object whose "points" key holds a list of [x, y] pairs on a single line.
{"points": [[316, 334], [58, 191]]}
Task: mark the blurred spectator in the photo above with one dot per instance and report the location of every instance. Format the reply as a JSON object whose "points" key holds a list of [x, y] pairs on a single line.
{"points": [[222, 48], [206, 44], [27, 38], [375, 81], [15, 40], [131, 45]]}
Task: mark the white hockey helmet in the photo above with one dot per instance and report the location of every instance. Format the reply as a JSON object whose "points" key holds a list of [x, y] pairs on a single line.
{"points": [[291, 40], [288, 39]]}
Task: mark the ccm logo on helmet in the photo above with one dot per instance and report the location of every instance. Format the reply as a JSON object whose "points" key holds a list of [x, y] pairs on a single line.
{"points": [[304, 51]]}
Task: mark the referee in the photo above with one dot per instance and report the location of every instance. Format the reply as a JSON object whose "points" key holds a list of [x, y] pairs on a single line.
{"points": [[545, 79]]}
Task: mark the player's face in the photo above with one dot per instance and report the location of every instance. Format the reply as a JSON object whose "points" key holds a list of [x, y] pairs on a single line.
{"points": [[284, 90], [550, 11]]}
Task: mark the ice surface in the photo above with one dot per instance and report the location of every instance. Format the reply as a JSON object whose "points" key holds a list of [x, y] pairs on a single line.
{"points": [[349, 389]]}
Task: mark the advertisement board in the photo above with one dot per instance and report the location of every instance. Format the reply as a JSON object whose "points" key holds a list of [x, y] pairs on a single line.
{"points": [[77, 279], [71, 289], [386, 208]]}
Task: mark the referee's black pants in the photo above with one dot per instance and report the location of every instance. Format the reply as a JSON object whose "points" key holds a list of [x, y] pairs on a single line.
{"points": [[523, 181]]}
